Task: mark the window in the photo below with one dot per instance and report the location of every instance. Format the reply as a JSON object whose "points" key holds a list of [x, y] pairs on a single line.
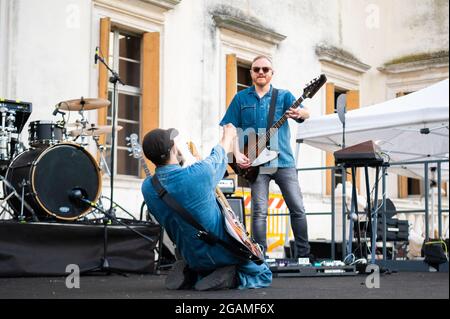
{"points": [[244, 79], [136, 56], [125, 57]]}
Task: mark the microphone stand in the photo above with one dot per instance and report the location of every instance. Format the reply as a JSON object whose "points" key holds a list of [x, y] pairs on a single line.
{"points": [[114, 79], [108, 216]]}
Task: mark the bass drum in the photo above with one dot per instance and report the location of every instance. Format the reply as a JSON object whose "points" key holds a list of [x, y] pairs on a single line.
{"points": [[50, 176]]}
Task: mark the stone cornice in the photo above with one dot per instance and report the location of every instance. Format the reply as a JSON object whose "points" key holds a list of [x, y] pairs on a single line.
{"points": [[341, 58], [248, 28], [165, 4], [420, 64]]}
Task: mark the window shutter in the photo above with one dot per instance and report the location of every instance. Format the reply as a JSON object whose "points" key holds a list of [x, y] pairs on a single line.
{"points": [[150, 85], [402, 187], [353, 100], [105, 29], [230, 91], [231, 78]]}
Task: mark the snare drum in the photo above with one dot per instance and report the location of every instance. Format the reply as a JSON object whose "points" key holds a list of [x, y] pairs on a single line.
{"points": [[45, 133]]}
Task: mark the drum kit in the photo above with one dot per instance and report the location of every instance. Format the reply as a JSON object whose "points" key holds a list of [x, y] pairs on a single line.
{"points": [[39, 181]]}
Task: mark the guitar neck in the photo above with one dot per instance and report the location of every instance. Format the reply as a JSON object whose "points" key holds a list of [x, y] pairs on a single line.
{"points": [[262, 140], [145, 167], [220, 196]]}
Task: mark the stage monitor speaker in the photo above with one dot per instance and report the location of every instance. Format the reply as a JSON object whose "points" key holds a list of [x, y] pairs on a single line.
{"points": [[237, 204]]}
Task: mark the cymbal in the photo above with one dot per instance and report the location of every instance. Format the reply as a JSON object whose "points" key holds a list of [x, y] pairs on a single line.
{"points": [[95, 130], [84, 104]]}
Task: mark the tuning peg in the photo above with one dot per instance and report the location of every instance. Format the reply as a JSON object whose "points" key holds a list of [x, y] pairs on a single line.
{"points": [[127, 139]]}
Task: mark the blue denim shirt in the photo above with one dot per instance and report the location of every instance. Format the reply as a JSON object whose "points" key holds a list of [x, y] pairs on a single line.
{"points": [[193, 188], [249, 112]]}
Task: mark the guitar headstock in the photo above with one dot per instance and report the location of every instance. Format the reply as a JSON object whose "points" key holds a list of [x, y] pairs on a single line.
{"points": [[312, 87], [194, 151], [134, 148]]}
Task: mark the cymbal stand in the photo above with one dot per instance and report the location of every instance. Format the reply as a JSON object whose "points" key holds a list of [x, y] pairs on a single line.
{"points": [[84, 123], [5, 136], [21, 198], [4, 209], [102, 149], [63, 124]]}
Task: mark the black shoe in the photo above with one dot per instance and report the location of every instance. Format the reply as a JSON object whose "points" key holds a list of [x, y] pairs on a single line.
{"points": [[221, 278], [180, 277]]}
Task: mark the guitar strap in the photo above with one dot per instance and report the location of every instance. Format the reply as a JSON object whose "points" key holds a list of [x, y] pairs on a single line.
{"points": [[203, 234], [273, 103]]}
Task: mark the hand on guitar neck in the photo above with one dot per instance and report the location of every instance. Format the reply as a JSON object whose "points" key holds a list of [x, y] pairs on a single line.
{"points": [[298, 113]]}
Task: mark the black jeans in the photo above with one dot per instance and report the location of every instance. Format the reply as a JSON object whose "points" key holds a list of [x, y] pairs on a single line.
{"points": [[286, 179]]}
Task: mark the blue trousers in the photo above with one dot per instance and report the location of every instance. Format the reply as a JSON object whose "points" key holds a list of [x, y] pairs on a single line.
{"points": [[286, 179]]}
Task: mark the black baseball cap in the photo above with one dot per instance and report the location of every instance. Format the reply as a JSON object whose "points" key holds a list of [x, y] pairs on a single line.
{"points": [[158, 143]]}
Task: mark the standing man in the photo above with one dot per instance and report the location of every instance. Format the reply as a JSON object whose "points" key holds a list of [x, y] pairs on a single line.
{"points": [[249, 110]]}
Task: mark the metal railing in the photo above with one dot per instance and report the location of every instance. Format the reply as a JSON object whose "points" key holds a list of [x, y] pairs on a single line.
{"points": [[374, 212]]}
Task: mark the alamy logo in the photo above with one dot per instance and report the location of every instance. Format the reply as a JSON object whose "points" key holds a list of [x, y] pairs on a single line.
{"points": [[373, 280], [73, 279]]}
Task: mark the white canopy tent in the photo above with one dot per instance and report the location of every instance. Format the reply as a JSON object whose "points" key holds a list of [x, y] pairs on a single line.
{"points": [[414, 127]]}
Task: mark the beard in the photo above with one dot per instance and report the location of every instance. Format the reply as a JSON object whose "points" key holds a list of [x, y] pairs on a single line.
{"points": [[180, 158]]}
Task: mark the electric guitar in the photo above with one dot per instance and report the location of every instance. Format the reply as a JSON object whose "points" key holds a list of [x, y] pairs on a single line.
{"points": [[241, 238], [256, 147]]}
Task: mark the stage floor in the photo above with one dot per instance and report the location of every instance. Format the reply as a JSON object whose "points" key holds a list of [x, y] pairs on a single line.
{"points": [[405, 285]]}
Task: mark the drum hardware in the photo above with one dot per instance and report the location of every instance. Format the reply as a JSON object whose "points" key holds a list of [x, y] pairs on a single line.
{"points": [[21, 198], [80, 105], [3, 200], [83, 123], [21, 111], [6, 129], [102, 150]]}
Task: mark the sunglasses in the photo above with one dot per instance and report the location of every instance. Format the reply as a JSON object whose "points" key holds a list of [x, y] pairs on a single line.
{"points": [[265, 69]]}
